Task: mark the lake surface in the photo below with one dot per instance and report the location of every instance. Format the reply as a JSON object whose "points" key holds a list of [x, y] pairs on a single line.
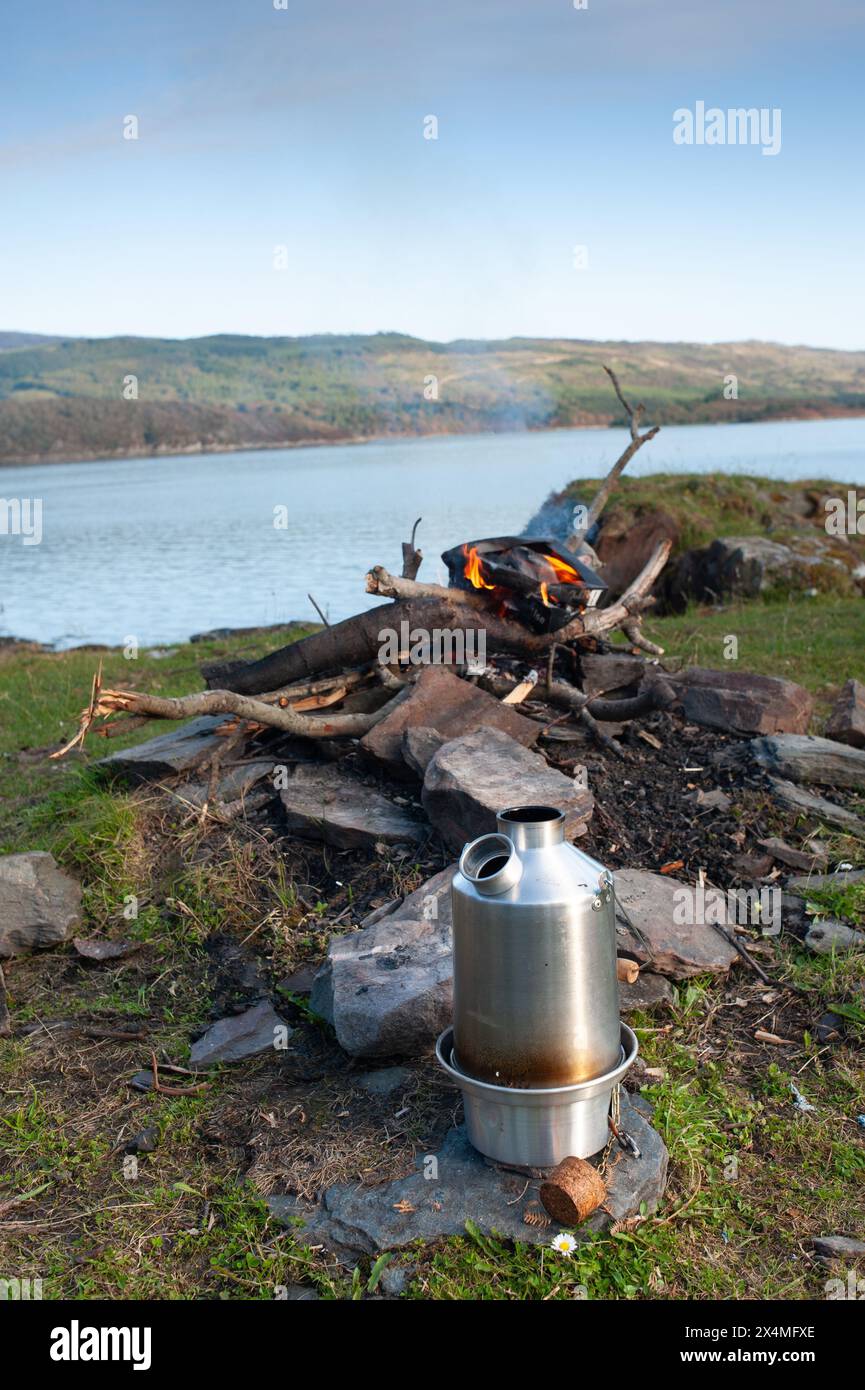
{"points": [[157, 549]]}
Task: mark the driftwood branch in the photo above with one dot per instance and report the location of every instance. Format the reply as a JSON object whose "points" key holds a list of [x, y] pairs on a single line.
{"points": [[411, 557], [635, 415], [108, 702]]}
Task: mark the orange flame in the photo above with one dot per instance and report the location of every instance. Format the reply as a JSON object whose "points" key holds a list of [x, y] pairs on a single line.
{"points": [[545, 595], [473, 569], [565, 574]]}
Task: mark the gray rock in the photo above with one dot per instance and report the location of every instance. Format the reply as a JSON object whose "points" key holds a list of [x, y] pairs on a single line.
{"points": [[472, 778], [794, 858], [328, 804], [649, 991], [614, 673], [746, 566], [439, 699], [715, 800], [384, 1082], [828, 1248], [233, 786], [299, 1293], [652, 903], [418, 746], [817, 807], [395, 1279], [353, 1221], [741, 702], [803, 758], [388, 989], [805, 883], [39, 903], [847, 720], [240, 1036], [168, 754], [827, 934]]}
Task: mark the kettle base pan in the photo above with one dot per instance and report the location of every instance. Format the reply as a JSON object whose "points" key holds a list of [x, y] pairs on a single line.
{"points": [[538, 1127]]}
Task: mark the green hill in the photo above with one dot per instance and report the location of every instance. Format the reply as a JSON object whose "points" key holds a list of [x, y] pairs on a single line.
{"points": [[64, 398]]}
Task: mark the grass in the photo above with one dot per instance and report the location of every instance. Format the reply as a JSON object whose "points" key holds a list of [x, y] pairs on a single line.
{"points": [[818, 642], [752, 1178]]}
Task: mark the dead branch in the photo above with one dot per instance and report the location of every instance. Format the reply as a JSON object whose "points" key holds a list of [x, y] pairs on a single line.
{"points": [[109, 702], [411, 558], [635, 415]]}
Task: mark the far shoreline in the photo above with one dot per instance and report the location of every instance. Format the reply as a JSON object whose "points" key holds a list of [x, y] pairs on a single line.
{"points": [[196, 451]]}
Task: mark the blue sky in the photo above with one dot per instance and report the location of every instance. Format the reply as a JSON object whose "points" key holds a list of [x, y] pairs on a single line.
{"points": [[303, 127]]}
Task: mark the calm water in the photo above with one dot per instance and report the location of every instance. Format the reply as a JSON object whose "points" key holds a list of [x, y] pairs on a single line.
{"points": [[161, 548]]}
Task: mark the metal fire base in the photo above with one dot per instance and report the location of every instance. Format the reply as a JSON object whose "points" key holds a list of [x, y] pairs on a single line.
{"points": [[537, 1127]]}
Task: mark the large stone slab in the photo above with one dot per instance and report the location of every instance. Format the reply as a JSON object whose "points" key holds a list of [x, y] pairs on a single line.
{"points": [[818, 761], [328, 804], [168, 754], [387, 989], [452, 706], [39, 903], [469, 780], [653, 903], [817, 808], [353, 1221], [740, 702], [847, 720]]}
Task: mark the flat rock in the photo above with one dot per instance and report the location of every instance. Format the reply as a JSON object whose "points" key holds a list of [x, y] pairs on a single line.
{"points": [[472, 778], [847, 720], [837, 1247], [328, 804], [652, 902], [352, 1221], [445, 702], [804, 883], [387, 990], [827, 935], [386, 1081], [816, 807], [649, 991], [803, 758], [794, 858], [168, 754], [39, 903], [240, 1036], [740, 702], [418, 746], [613, 673], [233, 786]]}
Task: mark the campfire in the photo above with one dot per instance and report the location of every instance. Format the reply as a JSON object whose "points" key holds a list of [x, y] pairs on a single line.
{"points": [[533, 601], [531, 581]]}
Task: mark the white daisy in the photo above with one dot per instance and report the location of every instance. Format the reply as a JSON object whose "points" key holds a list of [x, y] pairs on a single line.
{"points": [[565, 1244]]}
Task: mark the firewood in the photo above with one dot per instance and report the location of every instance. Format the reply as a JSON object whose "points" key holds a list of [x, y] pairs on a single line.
{"points": [[627, 970], [573, 1190], [411, 557], [107, 702]]}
